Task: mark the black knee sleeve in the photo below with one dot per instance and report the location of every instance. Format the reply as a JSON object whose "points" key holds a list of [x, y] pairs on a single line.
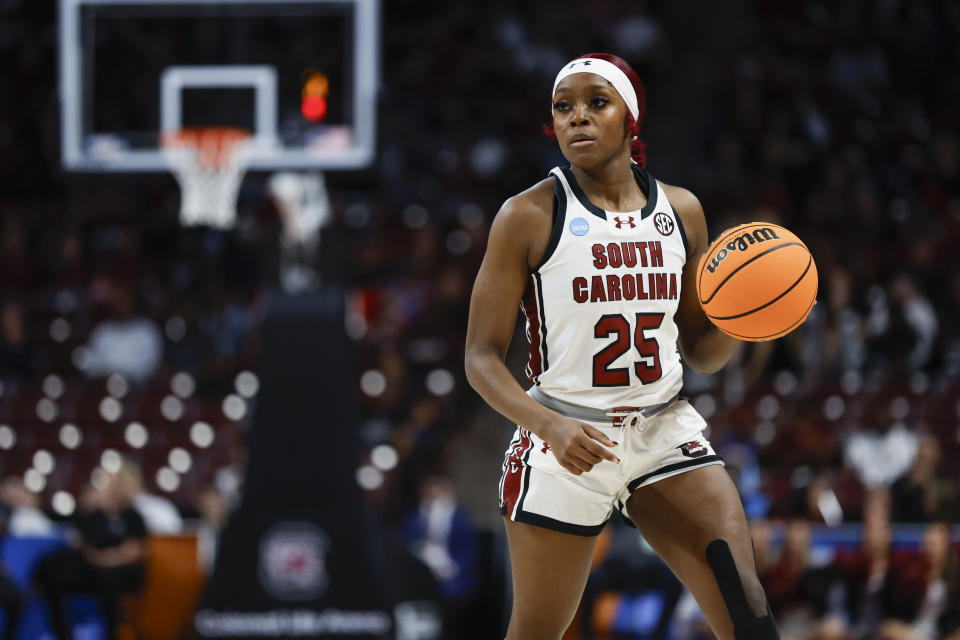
{"points": [[746, 625]]}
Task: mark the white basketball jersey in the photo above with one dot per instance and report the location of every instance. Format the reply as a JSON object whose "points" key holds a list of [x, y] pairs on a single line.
{"points": [[600, 304]]}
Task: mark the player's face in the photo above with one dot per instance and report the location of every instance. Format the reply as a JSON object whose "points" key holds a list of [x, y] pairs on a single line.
{"points": [[589, 117]]}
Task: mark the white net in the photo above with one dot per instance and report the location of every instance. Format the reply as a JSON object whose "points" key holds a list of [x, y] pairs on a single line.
{"points": [[209, 164], [304, 207]]}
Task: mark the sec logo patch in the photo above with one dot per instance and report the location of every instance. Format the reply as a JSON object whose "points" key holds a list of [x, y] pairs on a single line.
{"points": [[663, 223]]}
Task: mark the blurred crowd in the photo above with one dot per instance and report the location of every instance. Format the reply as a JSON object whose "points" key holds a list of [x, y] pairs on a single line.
{"points": [[838, 120], [877, 588]]}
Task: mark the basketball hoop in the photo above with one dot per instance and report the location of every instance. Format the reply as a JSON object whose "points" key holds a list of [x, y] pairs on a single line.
{"points": [[209, 163]]}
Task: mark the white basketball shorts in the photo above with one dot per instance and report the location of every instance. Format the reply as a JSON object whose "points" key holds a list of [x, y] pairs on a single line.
{"points": [[536, 489]]}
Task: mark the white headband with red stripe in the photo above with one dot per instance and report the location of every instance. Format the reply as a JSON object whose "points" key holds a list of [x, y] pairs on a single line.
{"points": [[609, 72]]}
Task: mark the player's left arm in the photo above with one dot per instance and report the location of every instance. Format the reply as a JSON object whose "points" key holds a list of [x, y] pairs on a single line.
{"points": [[703, 347]]}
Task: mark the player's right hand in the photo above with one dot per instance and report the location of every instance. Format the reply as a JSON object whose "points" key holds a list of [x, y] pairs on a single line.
{"points": [[578, 446]]}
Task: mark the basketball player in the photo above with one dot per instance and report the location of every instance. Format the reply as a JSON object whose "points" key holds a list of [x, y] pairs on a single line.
{"points": [[602, 259]]}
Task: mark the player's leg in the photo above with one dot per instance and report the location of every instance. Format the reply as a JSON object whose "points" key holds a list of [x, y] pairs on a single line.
{"points": [[550, 570], [695, 521]]}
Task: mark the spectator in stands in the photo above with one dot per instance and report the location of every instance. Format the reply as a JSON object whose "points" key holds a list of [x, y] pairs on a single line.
{"points": [[189, 347], [18, 268], [842, 340], [932, 583], [919, 316], [782, 580], [126, 343], [799, 589], [159, 514], [26, 518], [16, 351], [924, 493], [761, 535], [882, 454], [443, 536], [744, 469], [66, 266], [229, 479], [904, 326], [816, 500], [942, 595], [214, 510], [107, 563], [864, 576], [878, 583], [213, 507]]}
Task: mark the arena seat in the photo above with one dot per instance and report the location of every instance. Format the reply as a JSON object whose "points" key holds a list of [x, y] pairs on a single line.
{"points": [[164, 610]]}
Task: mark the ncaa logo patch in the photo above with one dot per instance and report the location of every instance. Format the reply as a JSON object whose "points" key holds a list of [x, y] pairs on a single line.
{"points": [[579, 227], [293, 561], [663, 223]]}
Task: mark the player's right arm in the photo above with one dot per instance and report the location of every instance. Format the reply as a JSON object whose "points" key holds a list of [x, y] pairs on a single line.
{"points": [[518, 238]]}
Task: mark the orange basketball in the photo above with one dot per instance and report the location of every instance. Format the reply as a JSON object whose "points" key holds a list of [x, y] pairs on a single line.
{"points": [[757, 281]]}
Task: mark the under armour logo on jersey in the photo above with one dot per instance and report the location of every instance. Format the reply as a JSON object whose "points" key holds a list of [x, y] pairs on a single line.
{"points": [[585, 63], [628, 222], [663, 223]]}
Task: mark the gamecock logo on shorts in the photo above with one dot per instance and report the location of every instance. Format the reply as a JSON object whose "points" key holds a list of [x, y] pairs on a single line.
{"points": [[692, 449]]}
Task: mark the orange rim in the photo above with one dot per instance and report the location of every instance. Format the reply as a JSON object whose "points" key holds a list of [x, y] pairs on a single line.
{"points": [[214, 146]]}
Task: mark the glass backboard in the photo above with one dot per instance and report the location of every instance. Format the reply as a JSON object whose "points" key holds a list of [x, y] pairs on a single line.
{"points": [[300, 75]]}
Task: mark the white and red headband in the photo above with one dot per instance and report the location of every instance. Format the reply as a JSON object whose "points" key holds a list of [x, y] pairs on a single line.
{"points": [[609, 72]]}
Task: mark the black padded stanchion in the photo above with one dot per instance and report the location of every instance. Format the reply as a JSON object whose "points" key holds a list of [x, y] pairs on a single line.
{"points": [[302, 557]]}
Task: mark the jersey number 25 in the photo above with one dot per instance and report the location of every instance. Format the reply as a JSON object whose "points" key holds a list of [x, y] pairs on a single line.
{"points": [[647, 369]]}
